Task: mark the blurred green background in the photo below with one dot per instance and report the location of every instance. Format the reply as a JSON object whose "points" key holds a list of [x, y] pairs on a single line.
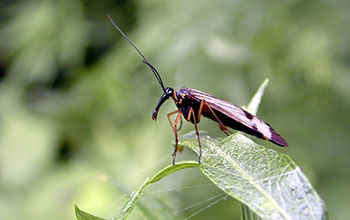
{"points": [[76, 100]]}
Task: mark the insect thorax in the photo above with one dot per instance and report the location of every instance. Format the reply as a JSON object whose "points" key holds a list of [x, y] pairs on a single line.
{"points": [[184, 102]]}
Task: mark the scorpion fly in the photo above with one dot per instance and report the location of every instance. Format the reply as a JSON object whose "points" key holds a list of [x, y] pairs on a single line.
{"points": [[192, 104]]}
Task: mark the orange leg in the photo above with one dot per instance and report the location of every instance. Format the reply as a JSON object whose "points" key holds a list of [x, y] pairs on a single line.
{"points": [[176, 137], [180, 124], [200, 110], [191, 112], [221, 125], [170, 114]]}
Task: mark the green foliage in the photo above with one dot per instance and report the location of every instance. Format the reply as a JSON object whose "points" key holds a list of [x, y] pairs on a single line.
{"points": [[172, 168], [269, 183], [253, 106], [136, 195], [156, 209], [247, 214], [130, 204], [81, 215]]}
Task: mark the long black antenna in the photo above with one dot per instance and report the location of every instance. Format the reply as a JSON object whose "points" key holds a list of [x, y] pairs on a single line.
{"points": [[156, 74]]}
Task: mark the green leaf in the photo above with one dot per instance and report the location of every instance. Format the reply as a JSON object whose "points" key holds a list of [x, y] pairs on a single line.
{"points": [[253, 106], [172, 168], [247, 214], [269, 183], [151, 208], [136, 195], [130, 204], [156, 209], [81, 215]]}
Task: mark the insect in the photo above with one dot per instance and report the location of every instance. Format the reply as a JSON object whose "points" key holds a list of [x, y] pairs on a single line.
{"points": [[192, 104]]}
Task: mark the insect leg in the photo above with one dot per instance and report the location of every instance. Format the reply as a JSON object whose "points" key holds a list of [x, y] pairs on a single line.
{"points": [[200, 110], [221, 125], [180, 124], [197, 133], [176, 137], [170, 114]]}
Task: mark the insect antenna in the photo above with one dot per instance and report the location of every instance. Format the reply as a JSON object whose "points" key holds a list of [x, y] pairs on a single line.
{"points": [[155, 72]]}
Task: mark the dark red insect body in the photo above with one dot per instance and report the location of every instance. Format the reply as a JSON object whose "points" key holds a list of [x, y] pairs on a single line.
{"points": [[192, 104]]}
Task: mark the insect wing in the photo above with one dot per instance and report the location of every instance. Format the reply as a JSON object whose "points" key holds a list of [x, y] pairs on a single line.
{"points": [[239, 115]]}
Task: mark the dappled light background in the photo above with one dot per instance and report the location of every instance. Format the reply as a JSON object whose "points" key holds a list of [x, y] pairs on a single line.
{"points": [[76, 99]]}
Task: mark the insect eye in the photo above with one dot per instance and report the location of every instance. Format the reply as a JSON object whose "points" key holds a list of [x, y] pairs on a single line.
{"points": [[169, 90]]}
